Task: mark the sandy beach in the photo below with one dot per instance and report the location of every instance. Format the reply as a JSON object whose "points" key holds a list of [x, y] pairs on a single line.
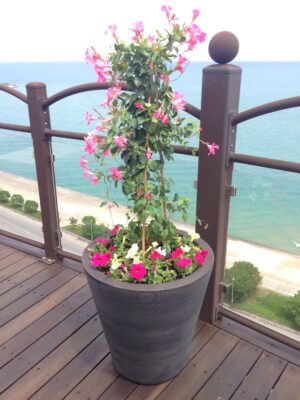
{"points": [[280, 270]]}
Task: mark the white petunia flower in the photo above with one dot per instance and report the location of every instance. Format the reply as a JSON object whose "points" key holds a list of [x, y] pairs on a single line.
{"points": [[161, 251], [115, 263], [195, 236], [132, 251], [186, 248]]}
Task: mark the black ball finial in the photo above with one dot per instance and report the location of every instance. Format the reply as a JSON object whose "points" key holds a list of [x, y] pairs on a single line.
{"points": [[223, 47]]}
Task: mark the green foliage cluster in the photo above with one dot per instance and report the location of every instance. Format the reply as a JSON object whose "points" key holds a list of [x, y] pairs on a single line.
{"points": [[4, 196], [147, 117], [18, 202], [273, 306], [243, 278], [88, 228], [30, 206], [292, 308]]}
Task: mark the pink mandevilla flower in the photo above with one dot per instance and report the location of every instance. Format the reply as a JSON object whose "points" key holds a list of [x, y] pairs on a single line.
{"points": [[116, 174], [164, 77], [138, 29], [195, 36], [151, 38], [110, 205], [113, 31], [90, 140], [177, 253], [212, 148], [148, 154], [167, 10], [140, 106], [181, 61], [196, 14], [160, 115], [87, 172], [184, 262], [89, 117], [138, 271], [178, 100], [120, 141], [106, 153], [94, 179], [112, 93], [83, 162]]}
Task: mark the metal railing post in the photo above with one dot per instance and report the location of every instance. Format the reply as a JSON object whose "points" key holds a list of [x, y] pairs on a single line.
{"points": [[220, 99], [39, 121]]}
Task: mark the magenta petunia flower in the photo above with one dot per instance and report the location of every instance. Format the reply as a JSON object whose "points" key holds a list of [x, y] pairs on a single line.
{"points": [[177, 252], [184, 262], [138, 271], [199, 257], [115, 229], [102, 240], [155, 254], [100, 259]]}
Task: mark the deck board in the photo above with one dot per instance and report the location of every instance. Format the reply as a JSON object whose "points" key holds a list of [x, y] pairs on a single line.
{"points": [[39, 274], [53, 347], [288, 385], [257, 384]]}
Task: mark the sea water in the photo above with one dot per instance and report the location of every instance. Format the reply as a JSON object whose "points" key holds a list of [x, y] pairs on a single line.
{"points": [[266, 208]]}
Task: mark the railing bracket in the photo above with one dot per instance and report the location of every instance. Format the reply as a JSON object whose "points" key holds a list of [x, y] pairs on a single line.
{"points": [[48, 261], [231, 191]]}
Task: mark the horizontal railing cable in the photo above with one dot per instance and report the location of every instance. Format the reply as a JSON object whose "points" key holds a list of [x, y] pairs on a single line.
{"points": [[14, 127], [86, 87], [265, 162], [190, 151], [267, 108], [13, 92]]}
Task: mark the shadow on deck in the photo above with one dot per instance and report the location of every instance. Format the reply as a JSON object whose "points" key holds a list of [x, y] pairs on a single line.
{"points": [[53, 347]]}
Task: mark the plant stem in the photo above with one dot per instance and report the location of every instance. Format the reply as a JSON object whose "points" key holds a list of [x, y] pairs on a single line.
{"points": [[162, 172]]}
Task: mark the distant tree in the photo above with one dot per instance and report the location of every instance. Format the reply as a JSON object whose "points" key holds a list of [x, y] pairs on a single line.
{"points": [[243, 278], [4, 196], [88, 226], [30, 206], [73, 221], [17, 201]]}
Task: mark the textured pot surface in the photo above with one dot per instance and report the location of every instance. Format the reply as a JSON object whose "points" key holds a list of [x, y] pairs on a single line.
{"points": [[149, 327]]}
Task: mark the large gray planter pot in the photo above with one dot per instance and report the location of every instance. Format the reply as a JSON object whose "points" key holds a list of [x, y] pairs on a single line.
{"points": [[149, 327]]}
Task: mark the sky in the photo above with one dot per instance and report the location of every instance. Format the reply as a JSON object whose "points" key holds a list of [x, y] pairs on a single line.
{"points": [[60, 30]]}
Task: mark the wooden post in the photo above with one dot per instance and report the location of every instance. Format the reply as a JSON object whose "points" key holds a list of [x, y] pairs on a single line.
{"points": [[220, 99], [39, 120]]}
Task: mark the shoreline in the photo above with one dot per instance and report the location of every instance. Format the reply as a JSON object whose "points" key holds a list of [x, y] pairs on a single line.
{"points": [[280, 269]]}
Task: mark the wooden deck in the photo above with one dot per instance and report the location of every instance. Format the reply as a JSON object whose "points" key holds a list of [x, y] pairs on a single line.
{"points": [[53, 347]]}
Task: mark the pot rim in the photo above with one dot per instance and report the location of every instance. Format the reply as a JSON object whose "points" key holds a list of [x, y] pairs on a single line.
{"points": [[150, 287]]}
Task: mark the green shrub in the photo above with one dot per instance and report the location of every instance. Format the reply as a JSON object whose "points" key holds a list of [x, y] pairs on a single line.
{"points": [[292, 308], [4, 196], [243, 278], [30, 206], [73, 221], [17, 201], [90, 229]]}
